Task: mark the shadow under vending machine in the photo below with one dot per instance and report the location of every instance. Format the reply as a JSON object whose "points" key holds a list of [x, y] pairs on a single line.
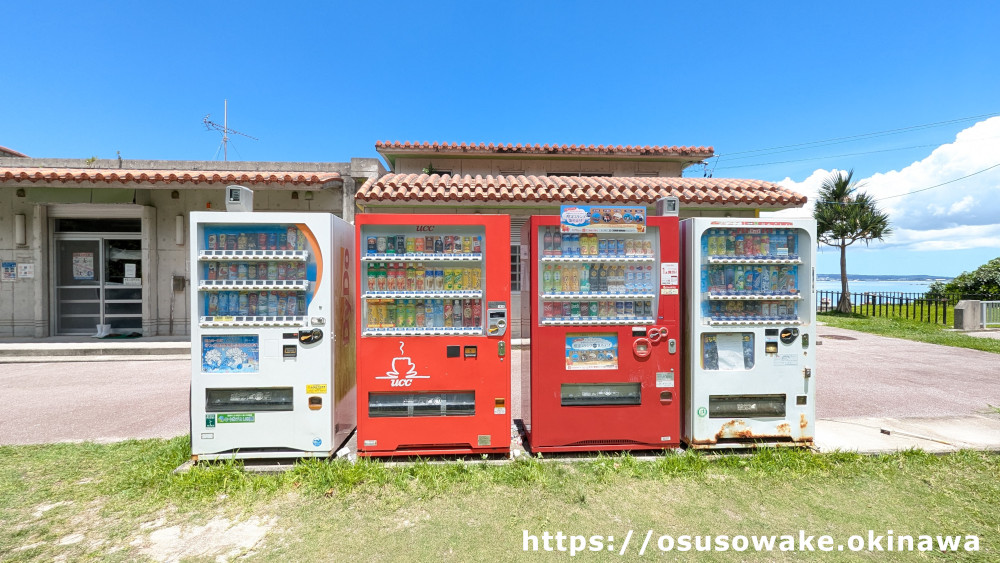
{"points": [[434, 351], [272, 334], [601, 302], [751, 332]]}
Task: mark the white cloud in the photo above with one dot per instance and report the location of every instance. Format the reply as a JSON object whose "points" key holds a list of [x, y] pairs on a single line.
{"points": [[959, 215]]}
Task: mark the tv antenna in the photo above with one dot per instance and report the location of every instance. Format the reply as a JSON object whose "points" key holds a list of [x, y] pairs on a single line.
{"points": [[224, 129]]}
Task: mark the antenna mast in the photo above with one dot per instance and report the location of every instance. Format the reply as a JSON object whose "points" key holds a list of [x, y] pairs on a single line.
{"points": [[224, 129]]}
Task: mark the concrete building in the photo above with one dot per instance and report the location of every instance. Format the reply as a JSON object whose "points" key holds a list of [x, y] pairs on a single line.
{"points": [[525, 180], [87, 242]]}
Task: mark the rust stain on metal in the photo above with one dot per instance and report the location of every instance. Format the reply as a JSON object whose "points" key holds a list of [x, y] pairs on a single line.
{"points": [[803, 421], [784, 429]]}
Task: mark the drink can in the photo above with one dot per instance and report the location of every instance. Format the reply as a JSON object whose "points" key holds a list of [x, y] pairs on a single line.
{"points": [[241, 271], [411, 245], [213, 270], [372, 245], [293, 305], [282, 271], [477, 244], [602, 247], [380, 245], [619, 309], [629, 247], [252, 303], [241, 241], [575, 309], [567, 310], [594, 309], [213, 304], [213, 242], [261, 241], [629, 309], [282, 241], [438, 245], [428, 244], [647, 248], [467, 279], [272, 270], [547, 310], [620, 247], [222, 241], [449, 243], [291, 237], [231, 242], [467, 245], [647, 309], [243, 308], [282, 303], [272, 242], [234, 271], [449, 280], [400, 244], [418, 245]]}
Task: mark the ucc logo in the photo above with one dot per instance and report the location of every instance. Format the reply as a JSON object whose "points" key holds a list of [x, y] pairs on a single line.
{"points": [[425, 228], [403, 371], [400, 382]]}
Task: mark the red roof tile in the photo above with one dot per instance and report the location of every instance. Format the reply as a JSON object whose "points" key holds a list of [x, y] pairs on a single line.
{"points": [[50, 176], [558, 189], [393, 147]]}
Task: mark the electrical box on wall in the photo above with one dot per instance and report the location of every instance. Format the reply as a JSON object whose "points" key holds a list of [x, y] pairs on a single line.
{"points": [[179, 282], [239, 198]]}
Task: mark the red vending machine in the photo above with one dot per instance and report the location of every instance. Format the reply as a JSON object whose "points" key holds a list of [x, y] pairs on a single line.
{"points": [[601, 301], [433, 353]]}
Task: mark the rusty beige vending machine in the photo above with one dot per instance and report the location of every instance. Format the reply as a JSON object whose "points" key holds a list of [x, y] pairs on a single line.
{"points": [[750, 349]]}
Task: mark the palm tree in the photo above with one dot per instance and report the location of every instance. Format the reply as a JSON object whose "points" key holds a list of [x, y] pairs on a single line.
{"points": [[844, 216]]}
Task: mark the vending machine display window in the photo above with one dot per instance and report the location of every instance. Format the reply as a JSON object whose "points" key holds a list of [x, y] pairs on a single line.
{"points": [[729, 351], [599, 278], [422, 284]]}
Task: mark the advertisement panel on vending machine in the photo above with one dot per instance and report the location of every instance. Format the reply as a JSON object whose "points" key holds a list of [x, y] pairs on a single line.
{"points": [[272, 334], [601, 302], [434, 347], [750, 350]]}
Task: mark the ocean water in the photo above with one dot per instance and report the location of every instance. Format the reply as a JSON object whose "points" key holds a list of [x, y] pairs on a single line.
{"points": [[875, 286]]}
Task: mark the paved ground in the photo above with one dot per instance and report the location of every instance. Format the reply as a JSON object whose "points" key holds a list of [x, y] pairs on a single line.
{"points": [[927, 396]]}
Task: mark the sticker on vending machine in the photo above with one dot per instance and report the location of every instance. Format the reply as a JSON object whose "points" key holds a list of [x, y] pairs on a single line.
{"points": [[669, 274]]}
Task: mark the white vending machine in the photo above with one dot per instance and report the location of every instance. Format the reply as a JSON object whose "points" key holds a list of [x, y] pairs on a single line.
{"points": [[750, 324], [272, 334]]}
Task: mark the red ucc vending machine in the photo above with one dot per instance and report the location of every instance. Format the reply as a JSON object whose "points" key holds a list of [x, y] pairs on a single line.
{"points": [[433, 355], [601, 301]]}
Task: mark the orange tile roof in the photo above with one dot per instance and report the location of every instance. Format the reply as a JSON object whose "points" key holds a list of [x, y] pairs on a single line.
{"points": [[392, 147], [558, 189], [51, 176]]}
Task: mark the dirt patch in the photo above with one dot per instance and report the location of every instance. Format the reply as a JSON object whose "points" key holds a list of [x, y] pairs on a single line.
{"points": [[220, 539]]}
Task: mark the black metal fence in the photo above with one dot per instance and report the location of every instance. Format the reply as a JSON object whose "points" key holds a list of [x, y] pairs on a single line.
{"points": [[918, 306]]}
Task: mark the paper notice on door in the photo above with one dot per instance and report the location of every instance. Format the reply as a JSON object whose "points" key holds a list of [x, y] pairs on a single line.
{"points": [[730, 348], [669, 274]]}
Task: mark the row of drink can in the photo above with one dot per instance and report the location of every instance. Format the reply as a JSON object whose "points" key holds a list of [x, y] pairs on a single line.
{"points": [[402, 244], [597, 278], [255, 271], [737, 279], [757, 243], [255, 303], [419, 277], [752, 310], [424, 313], [556, 243], [611, 310], [287, 239]]}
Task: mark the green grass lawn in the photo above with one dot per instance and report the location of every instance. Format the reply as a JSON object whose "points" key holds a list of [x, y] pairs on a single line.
{"points": [[910, 330], [121, 502]]}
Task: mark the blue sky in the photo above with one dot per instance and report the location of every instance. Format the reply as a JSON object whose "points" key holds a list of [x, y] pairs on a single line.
{"points": [[323, 81]]}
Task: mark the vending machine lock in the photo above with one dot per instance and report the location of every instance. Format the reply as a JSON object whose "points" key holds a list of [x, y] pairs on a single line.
{"points": [[672, 346], [310, 336], [501, 348]]}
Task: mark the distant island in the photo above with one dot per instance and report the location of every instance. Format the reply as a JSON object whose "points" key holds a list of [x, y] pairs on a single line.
{"points": [[883, 277]]}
